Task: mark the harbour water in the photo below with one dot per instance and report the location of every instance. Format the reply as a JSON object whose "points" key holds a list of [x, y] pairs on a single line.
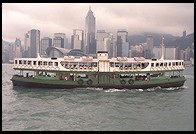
{"points": [[89, 109]]}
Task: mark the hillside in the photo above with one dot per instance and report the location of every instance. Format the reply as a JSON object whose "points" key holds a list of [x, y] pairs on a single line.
{"points": [[169, 40]]}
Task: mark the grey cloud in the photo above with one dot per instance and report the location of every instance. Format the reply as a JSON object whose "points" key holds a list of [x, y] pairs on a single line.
{"points": [[64, 17]]}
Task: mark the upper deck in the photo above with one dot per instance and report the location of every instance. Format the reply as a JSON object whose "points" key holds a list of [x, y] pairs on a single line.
{"points": [[101, 64]]}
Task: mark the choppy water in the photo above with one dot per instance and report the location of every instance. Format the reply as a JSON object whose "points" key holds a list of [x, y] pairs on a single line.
{"points": [[156, 109]]}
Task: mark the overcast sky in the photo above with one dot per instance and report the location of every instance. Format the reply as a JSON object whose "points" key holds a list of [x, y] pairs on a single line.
{"points": [[50, 18]]}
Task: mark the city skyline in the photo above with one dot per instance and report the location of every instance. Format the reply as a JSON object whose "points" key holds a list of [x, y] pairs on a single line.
{"points": [[172, 18]]}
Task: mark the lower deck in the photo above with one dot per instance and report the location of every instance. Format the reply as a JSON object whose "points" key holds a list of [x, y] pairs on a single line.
{"points": [[99, 79]]}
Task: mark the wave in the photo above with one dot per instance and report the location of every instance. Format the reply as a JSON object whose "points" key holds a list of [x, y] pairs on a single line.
{"points": [[189, 76], [115, 90]]}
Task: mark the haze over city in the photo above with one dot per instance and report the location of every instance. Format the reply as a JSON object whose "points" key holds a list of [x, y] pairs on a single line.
{"points": [[50, 18]]}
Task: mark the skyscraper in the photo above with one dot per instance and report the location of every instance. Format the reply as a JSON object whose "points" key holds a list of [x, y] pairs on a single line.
{"points": [[45, 43], [18, 48], [100, 40], [148, 51], [27, 45], [34, 43], [105, 42], [90, 42], [77, 39], [63, 36], [122, 43]]}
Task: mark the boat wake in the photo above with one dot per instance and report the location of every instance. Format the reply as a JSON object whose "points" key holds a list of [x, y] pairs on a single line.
{"points": [[155, 89], [115, 90], [189, 76], [161, 89]]}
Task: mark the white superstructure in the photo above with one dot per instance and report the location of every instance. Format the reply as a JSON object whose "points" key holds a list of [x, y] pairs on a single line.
{"points": [[100, 64]]}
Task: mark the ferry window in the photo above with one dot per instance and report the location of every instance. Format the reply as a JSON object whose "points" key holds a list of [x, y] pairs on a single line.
{"points": [[152, 64], [161, 64], [182, 63], [45, 62], [39, 62], [111, 64], [29, 62], [34, 62], [157, 64], [165, 64], [15, 61], [95, 64], [116, 64], [169, 63], [50, 63], [179, 63], [176, 63], [20, 61], [56, 63], [173, 63], [24, 61]]}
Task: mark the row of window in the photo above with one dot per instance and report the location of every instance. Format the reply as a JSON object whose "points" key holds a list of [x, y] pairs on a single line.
{"points": [[40, 63], [166, 64]]}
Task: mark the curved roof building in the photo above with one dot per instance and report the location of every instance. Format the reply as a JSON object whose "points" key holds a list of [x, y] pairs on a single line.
{"points": [[61, 52]]}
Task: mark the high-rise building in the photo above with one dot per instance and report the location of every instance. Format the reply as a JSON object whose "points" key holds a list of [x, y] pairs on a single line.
{"points": [[105, 42], [45, 43], [149, 41], [34, 43], [101, 36], [18, 49], [57, 42], [169, 53], [122, 43], [63, 36], [148, 47], [77, 39], [26, 53], [90, 42]]}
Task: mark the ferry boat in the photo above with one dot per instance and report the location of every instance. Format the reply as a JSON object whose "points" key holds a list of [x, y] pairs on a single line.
{"points": [[101, 72]]}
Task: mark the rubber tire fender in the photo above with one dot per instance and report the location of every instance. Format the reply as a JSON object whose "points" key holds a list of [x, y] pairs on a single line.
{"points": [[89, 82], [131, 81], [123, 82], [80, 82]]}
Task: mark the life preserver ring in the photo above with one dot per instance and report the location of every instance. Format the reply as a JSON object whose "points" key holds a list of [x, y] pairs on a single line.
{"points": [[123, 82], [80, 82], [131, 81], [65, 78], [89, 82]]}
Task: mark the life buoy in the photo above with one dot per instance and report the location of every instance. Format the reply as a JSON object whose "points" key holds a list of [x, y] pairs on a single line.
{"points": [[89, 82], [65, 78], [80, 82], [131, 81], [123, 82]]}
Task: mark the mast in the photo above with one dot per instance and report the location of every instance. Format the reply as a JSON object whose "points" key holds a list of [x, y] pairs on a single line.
{"points": [[162, 48]]}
